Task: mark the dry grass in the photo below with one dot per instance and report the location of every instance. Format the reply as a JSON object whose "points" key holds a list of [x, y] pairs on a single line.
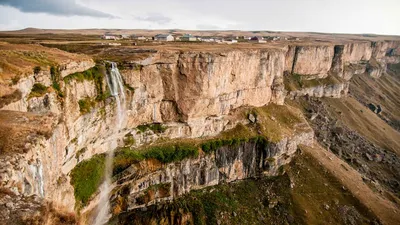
{"points": [[383, 91], [19, 129], [20, 59], [279, 121], [385, 210], [359, 118]]}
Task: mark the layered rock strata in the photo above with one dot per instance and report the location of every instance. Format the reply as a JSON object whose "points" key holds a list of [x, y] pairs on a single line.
{"points": [[194, 94]]}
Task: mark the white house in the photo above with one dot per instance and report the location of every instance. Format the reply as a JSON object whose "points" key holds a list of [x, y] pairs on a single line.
{"points": [[109, 37], [164, 37], [188, 37]]}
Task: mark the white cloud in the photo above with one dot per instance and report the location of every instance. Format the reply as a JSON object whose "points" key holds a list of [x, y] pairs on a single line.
{"points": [[340, 16]]}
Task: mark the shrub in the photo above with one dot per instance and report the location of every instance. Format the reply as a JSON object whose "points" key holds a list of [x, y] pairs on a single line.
{"points": [[155, 127], [129, 140], [38, 90], [36, 70], [124, 158], [86, 105]]}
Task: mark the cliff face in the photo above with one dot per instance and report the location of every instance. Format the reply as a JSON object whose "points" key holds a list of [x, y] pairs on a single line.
{"points": [[192, 94], [322, 57], [197, 85], [146, 183]]}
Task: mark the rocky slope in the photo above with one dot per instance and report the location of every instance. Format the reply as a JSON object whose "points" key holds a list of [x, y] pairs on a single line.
{"points": [[170, 95]]}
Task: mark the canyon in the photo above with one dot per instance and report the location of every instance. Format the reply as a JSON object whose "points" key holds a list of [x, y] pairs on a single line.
{"points": [[193, 120]]}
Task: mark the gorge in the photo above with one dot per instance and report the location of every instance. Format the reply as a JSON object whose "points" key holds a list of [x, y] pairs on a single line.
{"points": [[106, 139]]}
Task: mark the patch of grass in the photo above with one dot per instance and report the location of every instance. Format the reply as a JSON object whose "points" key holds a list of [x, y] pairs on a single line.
{"points": [[124, 158], [155, 127], [95, 74], [294, 82], [86, 177], [89, 74], [38, 90], [86, 105], [278, 121], [55, 79]]}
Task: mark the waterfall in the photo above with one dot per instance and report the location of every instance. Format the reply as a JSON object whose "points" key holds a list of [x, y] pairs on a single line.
{"points": [[116, 87]]}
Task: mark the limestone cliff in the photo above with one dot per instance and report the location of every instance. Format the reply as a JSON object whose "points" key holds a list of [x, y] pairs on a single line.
{"points": [[191, 94]]}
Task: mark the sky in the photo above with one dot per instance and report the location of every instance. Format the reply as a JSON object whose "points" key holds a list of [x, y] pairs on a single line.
{"points": [[329, 16]]}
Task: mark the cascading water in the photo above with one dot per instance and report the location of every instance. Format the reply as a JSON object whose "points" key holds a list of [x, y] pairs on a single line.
{"points": [[116, 87]]}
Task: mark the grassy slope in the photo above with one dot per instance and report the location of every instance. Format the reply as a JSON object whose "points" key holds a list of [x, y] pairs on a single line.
{"points": [[383, 91], [387, 211], [358, 117]]}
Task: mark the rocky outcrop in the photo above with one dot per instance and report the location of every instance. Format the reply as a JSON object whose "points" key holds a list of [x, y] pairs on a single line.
{"points": [[198, 85], [321, 56], [24, 86], [149, 182], [331, 91]]}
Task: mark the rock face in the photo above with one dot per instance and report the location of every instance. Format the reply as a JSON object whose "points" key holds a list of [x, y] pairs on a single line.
{"points": [[154, 182], [331, 91], [193, 94], [197, 85], [321, 56]]}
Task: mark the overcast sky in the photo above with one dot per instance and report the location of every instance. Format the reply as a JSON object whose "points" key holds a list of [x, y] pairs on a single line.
{"points": [[333, 16]]}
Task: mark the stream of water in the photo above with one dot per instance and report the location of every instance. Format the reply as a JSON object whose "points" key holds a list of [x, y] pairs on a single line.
{"points": [[116, 87]]}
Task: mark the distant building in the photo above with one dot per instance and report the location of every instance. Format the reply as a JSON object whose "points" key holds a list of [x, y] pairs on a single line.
{"points": [[188, 37], [164, 37], [114, 44], [258, 39], [230, 41], [125, 36], [109, 37]]}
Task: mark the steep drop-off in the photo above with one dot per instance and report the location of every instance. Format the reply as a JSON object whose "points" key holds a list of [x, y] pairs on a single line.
{"points": [[171, 96]]}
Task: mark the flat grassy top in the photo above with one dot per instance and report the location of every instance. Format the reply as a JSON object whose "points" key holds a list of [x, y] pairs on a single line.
{"points": [[278, 121], [20, 59], [359, 118]]}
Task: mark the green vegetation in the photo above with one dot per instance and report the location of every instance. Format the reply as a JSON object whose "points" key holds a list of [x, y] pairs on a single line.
{"points": [[55, 79], [138, 67], [294, 82], [86, 105], [38, 90], [86, 178], [155, 127], [214, 144], [90, 74], [95, 74], [36, 70], [277, 121], [129, 140]]}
